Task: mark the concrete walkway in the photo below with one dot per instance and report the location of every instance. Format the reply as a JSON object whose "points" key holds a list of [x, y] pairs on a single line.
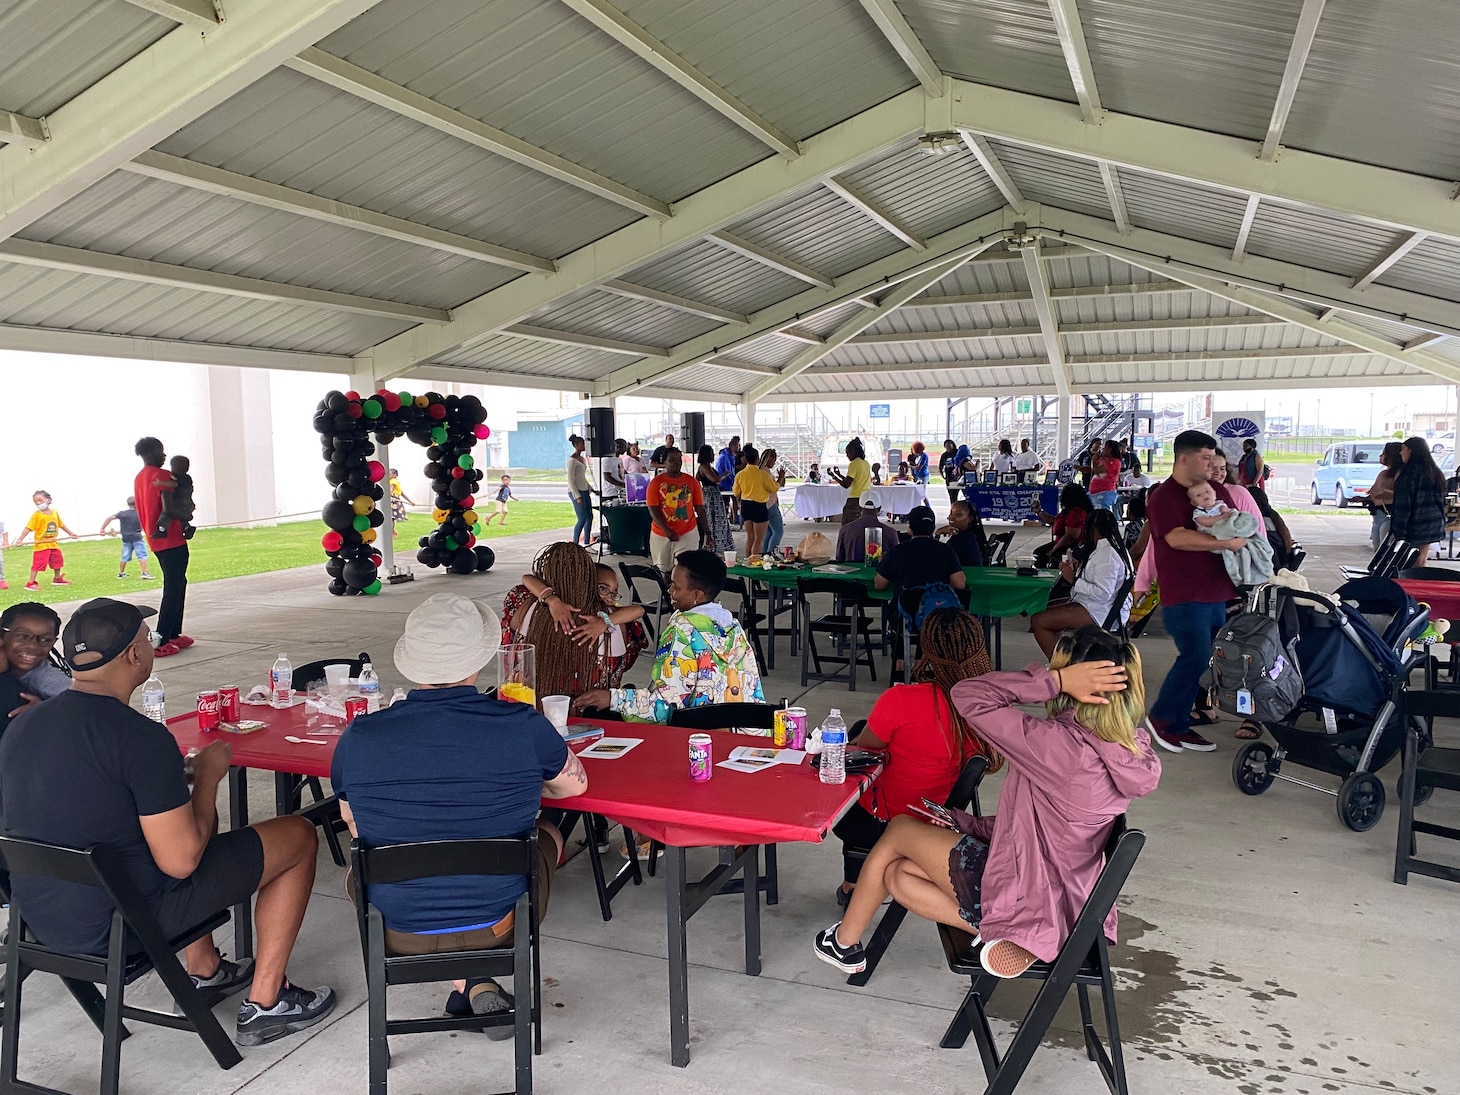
{"points": [[1263, 947]]}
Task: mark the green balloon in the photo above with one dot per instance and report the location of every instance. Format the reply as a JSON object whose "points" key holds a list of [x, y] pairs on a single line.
{"points": [[406, 397], [464, 461], [476, 529], [361, 522], [438, 434], [373, 588], [371, 408], [451, 544]]}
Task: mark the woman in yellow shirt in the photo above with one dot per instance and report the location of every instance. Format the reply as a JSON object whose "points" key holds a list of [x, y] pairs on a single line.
{"points": [[754, 487], [857, 480]]}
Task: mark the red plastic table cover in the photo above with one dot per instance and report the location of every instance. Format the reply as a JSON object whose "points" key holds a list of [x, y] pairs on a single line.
{"points": [[1442, 597], [266, 749]]}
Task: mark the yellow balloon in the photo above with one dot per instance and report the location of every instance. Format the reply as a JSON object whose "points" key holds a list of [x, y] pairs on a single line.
{"points": [[363, 504], [421, 401], [439, 515], [470, 517], [368, 536]]}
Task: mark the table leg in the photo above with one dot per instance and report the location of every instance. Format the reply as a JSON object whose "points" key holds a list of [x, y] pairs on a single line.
{"points": [[674, 891], [238, 819], [751, 872]]}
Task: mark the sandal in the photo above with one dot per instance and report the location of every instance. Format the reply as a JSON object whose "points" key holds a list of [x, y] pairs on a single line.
{"points": [[1203, 718], [1250, 730]]}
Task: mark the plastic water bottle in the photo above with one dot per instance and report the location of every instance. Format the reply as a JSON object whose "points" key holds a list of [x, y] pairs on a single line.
{"points": [[154, 699], [834, 748], [369, 687], [281, 683]]}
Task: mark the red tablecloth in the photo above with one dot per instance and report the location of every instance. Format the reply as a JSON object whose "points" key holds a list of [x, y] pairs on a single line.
{"points": [[266, 749], [1442, 597], [649, 790]]}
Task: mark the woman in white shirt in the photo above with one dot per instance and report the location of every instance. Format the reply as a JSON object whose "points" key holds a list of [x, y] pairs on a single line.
{"points": [[1094, 586], [580, 492], [1004, 458]]}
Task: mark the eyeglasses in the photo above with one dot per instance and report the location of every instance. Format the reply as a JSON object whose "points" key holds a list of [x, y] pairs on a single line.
{"points": [[26, 638]]}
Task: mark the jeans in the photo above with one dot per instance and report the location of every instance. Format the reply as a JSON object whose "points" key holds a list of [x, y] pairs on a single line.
{"points": [[1192, 626], [583, 507], [1104, 499], [174, 564], [776, 529], [1378, 528]]}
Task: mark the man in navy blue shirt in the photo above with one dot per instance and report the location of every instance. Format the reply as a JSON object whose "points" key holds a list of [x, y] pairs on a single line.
{"points": [[449, 763]]}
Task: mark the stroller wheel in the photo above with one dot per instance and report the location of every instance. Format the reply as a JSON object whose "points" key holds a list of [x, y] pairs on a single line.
{"points": [[1253, 769], [1423, 795], [1361, 801]]}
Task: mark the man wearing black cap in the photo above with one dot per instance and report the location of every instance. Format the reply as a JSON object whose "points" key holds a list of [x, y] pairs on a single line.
{"points": [[83, 768], [919, 560]]}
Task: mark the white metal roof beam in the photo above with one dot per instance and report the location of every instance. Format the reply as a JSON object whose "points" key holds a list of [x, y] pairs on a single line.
{"points": [[465, 374], [994, 169], [50, 341], [198, 14], [572, 338], [171, 83], [895, 338], [1378, 195], [1292, 73], [766, 257], [366, 85], [31, 133], [896, 29], [1389, 258], [874, 212], [1048, 322], [798, 334], [743, 366], [631, 35], [857, 324], [1072, 360], [245, 188], [671, 300], [79, 261], [1248, 216], [1115, 195], [1077, 58], [1143, 288], [1429, 338]]}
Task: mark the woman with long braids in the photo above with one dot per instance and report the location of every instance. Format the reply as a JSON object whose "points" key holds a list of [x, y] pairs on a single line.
{"points": [[1021, 877], [926, 740]]}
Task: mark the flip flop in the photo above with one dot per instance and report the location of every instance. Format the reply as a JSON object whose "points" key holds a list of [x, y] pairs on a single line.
{"points": [[1201, 718], [1248, 731]]}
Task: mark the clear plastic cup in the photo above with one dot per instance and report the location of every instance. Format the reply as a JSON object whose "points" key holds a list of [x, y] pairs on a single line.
{"points": [[556, 709], [337, 677]]}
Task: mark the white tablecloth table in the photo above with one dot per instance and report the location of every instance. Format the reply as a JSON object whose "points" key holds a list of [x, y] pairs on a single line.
{"points": [[827, 499]]}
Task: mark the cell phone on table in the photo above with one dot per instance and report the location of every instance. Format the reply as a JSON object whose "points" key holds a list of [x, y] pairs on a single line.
{"points": [[935, 812]]}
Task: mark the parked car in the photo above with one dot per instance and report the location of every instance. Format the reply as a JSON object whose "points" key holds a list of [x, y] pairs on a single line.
{"points": [[1442, 444], [1346, 471]]}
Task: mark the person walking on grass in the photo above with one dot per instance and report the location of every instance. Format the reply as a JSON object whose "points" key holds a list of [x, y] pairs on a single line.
{"points": [[46, 526], [134, 546], [153, 488], [398, 502], [504, 495]]}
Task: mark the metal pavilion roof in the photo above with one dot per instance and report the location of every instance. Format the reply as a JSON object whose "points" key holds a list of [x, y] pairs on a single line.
{"points": [[729, 201]]}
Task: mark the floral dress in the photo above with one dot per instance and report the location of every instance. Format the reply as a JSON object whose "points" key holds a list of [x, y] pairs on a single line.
{"points": [[721, 539]]}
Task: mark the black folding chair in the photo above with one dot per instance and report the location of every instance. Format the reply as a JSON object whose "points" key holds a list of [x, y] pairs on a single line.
{"points": [[435, 859], [848, 622], [750, 619], [1392, 557], [132, 924], [1083, 961], [998, 549], [655, 603], [1115, 622], [963, 796], [1425, 767]]}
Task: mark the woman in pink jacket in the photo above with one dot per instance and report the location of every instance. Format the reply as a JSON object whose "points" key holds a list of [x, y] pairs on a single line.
{"points": [[1020, 878]]}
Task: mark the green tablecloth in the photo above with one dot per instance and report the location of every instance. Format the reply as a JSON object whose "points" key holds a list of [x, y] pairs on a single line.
{"points": [[993, 591]]}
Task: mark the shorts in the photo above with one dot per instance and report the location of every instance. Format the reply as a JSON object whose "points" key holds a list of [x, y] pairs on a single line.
{"points": [[663, 551], [134, 549], [228, 874], [47, 558], [1104, 499], [398, 943], [754, 511], [499, 506], [966, 863]]}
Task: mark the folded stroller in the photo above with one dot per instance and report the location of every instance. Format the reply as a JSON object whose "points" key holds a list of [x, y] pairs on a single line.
{"points": [[1355, 658]]}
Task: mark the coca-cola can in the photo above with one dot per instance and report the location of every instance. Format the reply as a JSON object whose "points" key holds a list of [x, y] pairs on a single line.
{"points": [[355, 705], [209, 715], [230, 703]]}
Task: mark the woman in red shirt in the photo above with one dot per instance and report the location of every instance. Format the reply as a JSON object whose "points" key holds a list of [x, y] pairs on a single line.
{"points": [[1068, 525], [926, 739], [1105, 477]]}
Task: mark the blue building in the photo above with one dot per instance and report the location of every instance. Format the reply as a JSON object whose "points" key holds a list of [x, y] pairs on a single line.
{"points": [[542, 443]]}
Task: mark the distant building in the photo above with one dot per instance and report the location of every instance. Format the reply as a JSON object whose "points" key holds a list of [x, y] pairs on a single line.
{"points": [[541, 442]]}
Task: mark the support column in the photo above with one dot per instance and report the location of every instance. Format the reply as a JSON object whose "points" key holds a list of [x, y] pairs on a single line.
{"points": [[237, 476], [1062, 436], [747, 421]]}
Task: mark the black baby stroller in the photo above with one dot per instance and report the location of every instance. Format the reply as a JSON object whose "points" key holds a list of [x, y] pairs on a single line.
{"points": [[1355, 660]]}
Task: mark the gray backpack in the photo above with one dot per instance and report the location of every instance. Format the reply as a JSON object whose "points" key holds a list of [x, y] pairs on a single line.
{"points": [[1249, 655]]}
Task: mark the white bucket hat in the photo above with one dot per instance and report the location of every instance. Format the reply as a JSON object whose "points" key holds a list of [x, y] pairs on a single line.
{"points": [[447, 638]]}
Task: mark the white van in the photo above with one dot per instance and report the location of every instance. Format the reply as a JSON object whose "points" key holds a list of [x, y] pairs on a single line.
{"points": [[834, 453]]}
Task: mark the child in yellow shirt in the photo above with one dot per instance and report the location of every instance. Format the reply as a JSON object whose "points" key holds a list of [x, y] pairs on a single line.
{"points": [[46, 526]]}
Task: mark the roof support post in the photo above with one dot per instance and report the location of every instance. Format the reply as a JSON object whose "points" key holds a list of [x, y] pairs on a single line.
{"points": [[1043, 306], [747, 419]]}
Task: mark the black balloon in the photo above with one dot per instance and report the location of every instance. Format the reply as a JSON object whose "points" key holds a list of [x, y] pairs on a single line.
{"points": [[338, 515], [338, 587], [359, 573], [335, 567], [428, 557], [464, 561], [485, 557]]}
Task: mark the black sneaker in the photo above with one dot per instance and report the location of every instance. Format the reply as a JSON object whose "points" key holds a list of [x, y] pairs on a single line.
{"points": [[489, 998], [227, 979], [843, 898], [296, 1009], [847, 959]]}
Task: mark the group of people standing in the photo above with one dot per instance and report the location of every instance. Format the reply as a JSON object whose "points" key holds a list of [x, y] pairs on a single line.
{"points": [[1407, 499]]}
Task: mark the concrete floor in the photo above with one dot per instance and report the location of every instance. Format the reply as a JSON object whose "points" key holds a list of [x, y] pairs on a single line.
{"points": [[1263, 946]]}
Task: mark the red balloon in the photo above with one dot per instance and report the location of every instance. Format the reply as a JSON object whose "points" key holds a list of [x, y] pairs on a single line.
{"points": [[471, 540], [457, 473], [469, 502], [391, 401], [377, 471], [353, 397], [354, 410], [377, 558], [483, 433], [437, 411], [332, 541]]}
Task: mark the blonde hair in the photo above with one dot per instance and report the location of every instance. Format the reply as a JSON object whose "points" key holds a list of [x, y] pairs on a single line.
{"points": [[1117, 720]]}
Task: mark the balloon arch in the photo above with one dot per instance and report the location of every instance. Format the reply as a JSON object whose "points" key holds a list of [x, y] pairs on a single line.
{"points": [[448, 427]]}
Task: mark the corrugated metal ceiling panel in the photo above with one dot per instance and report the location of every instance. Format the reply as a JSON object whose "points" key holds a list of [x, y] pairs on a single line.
{"points": [[146, 219], [1382, 86], [83, 302], [1200, 375], [991, 377], [53, 50], [1183, 304], [1184, 209], [919, 353], [1432, 268], [1062, 181], [826, 322], [772, 350], [1008, 43], [820, 230], [991, 272], [712, 380], [962, 317], [297, 132], [930, 194], [503, 353], [707, 272], [1212, 64], [1212, 340], [803, 65], [627, 320], [1311, 237], [547, 76]]}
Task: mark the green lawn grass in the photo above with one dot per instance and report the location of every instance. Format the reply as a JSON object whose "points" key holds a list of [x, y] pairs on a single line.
{"points": [[91, 565]]}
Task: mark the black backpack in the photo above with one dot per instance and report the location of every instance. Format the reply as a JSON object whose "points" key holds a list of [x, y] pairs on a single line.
{"points": [[1249, 655]]}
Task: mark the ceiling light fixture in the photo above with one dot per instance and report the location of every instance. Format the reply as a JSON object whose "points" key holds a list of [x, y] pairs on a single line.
{"points": [[938, 144]]}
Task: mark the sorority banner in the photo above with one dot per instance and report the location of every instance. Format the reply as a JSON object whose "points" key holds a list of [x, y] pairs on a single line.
{"points": [[1012, 503]]}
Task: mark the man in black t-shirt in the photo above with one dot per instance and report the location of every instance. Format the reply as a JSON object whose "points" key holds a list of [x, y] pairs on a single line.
{"points": [[919, 560], [84, 769], [660, 456]]}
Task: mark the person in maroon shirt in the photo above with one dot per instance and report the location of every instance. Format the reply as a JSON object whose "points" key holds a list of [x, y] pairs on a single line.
{"points": [[170, 549], [1194, 586]]}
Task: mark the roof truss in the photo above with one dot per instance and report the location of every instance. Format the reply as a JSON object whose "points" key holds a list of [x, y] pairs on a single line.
{"points": [[198, 14], [1308, 18], [1077, 57], [30, 133], [895, 28]]}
